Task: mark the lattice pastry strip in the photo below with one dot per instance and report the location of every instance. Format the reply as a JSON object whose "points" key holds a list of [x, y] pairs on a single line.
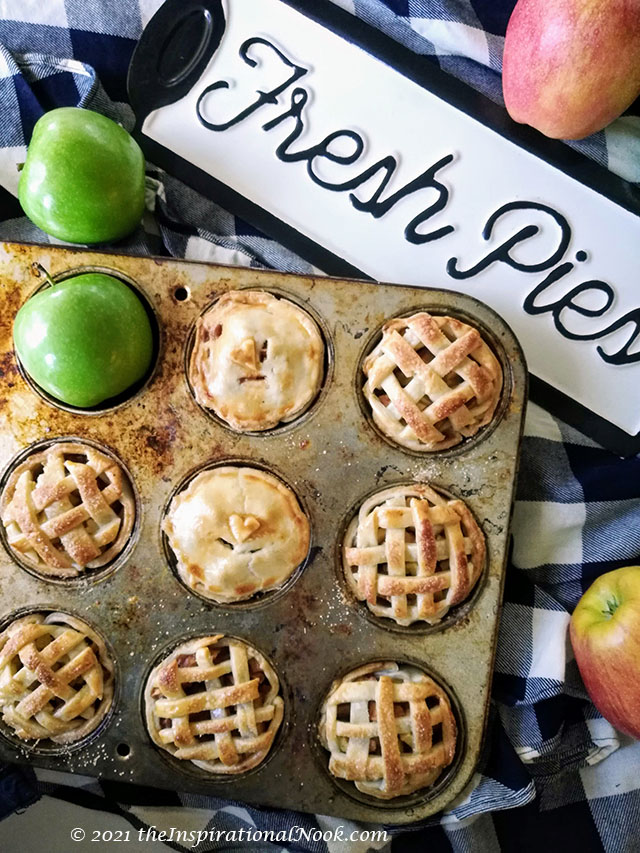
{"points": [[431, 381], [411, 554], [67, 508], [389, 728], [56, 678], [214, 701]]}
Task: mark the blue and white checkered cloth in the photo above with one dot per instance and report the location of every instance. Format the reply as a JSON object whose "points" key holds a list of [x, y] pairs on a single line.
{"points": [[577, 513]]}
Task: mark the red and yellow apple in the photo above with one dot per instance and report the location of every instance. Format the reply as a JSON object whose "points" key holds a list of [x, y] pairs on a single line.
{"points": [[571, 66], [605, 635]]}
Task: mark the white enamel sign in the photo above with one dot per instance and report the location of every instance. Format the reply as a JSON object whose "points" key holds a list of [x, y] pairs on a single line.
{"points": [[405, 187]]}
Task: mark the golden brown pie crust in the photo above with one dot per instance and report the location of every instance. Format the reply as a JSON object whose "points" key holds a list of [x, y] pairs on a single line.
{"points": [[431, 382], [257, 360], [56, 678], [389, 728], [411, 554], [67, 508], [214, 701], [236, 531]]}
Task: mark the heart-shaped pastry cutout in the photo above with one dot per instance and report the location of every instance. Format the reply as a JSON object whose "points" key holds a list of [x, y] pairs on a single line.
{"points": [[245, 355], [243, 526]]}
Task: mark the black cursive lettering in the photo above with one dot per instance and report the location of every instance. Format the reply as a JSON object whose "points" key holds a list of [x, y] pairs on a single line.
{"points": [[426, 180], [375, 206], [503, 252], [263, 98], [381, 201], [622, 356], [299, 98], [567, 302]]}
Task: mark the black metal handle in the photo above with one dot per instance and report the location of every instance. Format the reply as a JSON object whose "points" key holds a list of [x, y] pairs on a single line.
{"points": [[172, 53]]}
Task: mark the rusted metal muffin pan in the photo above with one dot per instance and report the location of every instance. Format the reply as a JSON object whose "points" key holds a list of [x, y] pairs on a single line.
{"points": [[332, 457]]}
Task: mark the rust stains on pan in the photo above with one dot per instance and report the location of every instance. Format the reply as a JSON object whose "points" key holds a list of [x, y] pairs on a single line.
{"points": [[332, 458]]}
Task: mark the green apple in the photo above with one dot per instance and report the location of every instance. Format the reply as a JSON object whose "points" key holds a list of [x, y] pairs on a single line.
{"points": [[85, 339], [83, 179], [605, 635]]}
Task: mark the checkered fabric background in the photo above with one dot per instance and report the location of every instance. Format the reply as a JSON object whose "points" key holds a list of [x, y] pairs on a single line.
{"points": [[543, 782]]}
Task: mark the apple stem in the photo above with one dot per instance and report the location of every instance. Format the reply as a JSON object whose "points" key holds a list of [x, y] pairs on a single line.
{"points": [[19, 166], [41, 272]]}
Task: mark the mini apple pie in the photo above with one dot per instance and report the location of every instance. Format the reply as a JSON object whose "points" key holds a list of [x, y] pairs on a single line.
{"points": [[56, 678], [257, 360], [411, 554], [215, 702], [236, 532], [67, 508], [431, 381], [389, 729]]}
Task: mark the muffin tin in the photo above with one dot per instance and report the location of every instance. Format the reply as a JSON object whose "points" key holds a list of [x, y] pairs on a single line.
{"points": [[332, 457]]}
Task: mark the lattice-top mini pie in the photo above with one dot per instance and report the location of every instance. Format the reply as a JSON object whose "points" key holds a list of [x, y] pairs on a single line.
{"points": [[389, 728], [431, 381], [236, 532], [411, 554], [214, 701], [257, 360], [56, 678], [67, 508]]}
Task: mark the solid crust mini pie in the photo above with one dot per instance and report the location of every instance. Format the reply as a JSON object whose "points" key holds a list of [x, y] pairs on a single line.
{"points": [[67, 508], [431, 381], [389, 729], [411, 554], [257, 360], [214, 701], [236, 532], [56, 678]]}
